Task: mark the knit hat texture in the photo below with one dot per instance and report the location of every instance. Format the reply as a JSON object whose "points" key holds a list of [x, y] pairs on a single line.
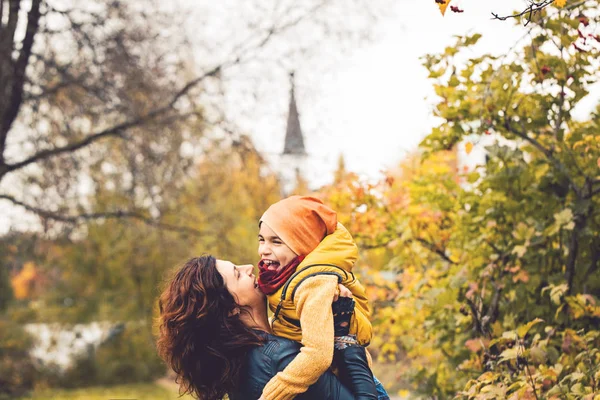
{"points": [[301, 222]]}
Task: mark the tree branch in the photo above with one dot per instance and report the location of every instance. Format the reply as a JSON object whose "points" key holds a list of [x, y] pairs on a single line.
{"points": [[8, 31], [115, 131], [593, 191], [492, 312], [595, 261], [75, 219], [580, 222], [548, 153], [7, 67], [429, 246], [534, 7], [475, 315], [11, 110], [436, 250]]}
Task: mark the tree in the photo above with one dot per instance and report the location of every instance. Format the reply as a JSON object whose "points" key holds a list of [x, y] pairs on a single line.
{"points": [[105, 94], [6, 293], [497, 293], [80, 85], [115, 271], [341, 172]]}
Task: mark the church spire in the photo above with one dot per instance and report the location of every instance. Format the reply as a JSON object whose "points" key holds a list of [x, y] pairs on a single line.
{"points": [[294, 141]]}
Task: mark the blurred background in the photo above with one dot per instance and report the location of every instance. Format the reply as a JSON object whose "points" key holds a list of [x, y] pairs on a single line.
{"points": [[461, 149]]}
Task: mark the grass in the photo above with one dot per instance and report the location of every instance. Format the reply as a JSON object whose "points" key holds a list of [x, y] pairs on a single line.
{"points": [[139, 391]]}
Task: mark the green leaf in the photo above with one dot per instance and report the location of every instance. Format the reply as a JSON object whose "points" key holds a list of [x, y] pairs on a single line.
{"points": [[555, 391], [509, 354], [576, 376], [538, 355], [564, 217], [510, 335], [473, 177], [557, 292], [522, 330], [520, 250], [471, 40]]}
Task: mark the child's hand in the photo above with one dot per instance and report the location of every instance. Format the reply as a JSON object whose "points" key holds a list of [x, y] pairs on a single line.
{"points": [[342, 291], [342, 314]]}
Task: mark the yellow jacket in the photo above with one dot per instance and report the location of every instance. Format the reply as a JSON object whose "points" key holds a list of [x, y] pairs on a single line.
{"points": [[305, 301]]}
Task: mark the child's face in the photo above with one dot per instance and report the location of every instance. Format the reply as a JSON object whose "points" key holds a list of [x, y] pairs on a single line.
{"points": [[271, 249]]}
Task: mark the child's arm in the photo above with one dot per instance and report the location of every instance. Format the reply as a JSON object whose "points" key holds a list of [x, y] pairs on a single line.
{"points": [[313, 305]]}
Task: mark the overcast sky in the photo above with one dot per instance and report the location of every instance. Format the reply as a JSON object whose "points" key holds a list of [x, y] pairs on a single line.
{"points": [[373, 104]]}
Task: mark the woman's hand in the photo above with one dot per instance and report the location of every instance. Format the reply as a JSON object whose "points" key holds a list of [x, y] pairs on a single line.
{"points": [[342, 291]]}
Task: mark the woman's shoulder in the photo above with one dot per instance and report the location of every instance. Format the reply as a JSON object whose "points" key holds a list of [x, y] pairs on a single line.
{"points": [[262, 363], [273, 356], [276, 347]]}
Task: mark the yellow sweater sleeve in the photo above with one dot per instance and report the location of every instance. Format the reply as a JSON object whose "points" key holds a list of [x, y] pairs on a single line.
{"points": [[313, 300]]}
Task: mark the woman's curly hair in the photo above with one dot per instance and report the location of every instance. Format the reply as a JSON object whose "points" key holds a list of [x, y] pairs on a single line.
{"points": [[199, 337]]}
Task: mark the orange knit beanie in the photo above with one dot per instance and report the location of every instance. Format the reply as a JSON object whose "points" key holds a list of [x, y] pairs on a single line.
{"points": [[301, 222]]}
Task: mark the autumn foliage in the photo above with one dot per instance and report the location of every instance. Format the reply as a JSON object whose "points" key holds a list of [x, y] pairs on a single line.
{"points": [[494, 289]]}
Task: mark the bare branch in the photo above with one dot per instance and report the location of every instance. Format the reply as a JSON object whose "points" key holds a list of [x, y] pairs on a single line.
{"points": [[532, 8], [11, 110], [76, 219], [8, 31], [276, 30], [115, 131], [7, 67]]}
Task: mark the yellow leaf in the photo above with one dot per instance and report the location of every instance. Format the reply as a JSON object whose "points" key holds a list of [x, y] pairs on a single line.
{"points": [[560, 3], [468, 147], [23, 282], [443, 5], [522, 330]]}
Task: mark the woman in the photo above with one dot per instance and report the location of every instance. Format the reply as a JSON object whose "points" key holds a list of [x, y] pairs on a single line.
{"points": [[215, 335]]}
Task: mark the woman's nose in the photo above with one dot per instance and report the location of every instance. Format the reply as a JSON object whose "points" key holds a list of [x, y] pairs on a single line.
{"points": [[248, 268]]}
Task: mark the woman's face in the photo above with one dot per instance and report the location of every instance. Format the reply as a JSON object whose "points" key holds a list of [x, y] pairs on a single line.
{"points": [[241, 283], [271, 249]]}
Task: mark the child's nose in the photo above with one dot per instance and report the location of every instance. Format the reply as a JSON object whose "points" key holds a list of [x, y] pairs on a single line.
{"points": [[264, 249]]}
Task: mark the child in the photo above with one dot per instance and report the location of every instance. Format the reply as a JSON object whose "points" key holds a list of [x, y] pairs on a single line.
{"points": [[305, 253]]}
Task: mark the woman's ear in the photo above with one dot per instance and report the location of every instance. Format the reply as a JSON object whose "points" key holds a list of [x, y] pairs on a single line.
{"points": [[235, 311]]}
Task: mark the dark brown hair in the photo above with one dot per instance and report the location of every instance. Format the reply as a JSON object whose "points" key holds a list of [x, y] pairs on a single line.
{"points": [[199, 337]]}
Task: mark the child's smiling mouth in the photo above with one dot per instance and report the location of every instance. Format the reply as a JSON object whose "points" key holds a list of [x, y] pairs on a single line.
{"points": [[270, 264]]}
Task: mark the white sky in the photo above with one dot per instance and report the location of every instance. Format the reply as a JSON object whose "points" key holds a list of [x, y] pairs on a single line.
{"points": [[373, 104]]}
